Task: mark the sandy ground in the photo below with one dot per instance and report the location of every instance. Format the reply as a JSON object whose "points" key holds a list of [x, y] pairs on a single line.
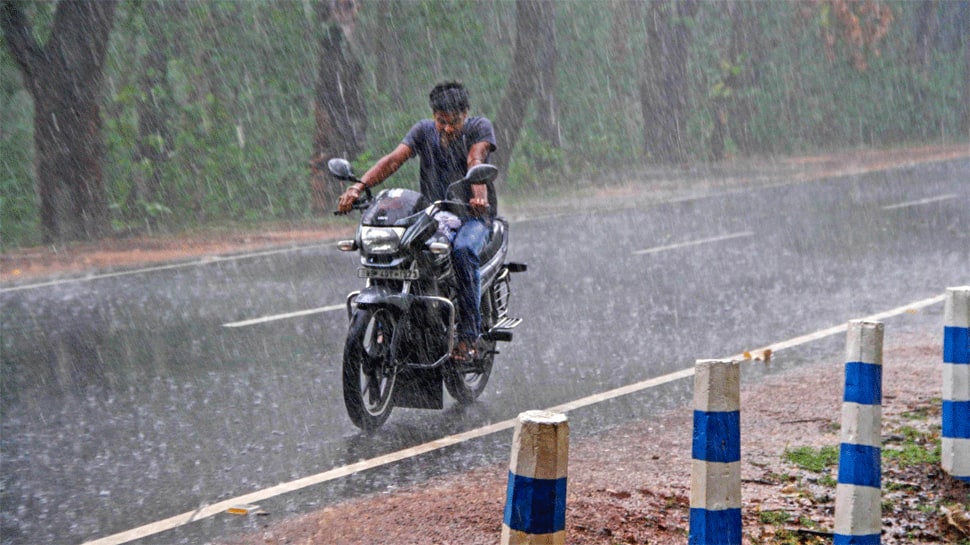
{"points": [[631, 485]]}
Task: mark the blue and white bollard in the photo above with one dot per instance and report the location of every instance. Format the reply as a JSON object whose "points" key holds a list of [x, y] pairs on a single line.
{"points": [[535, 504], [715, 475], [955, 441], [858, 494]]}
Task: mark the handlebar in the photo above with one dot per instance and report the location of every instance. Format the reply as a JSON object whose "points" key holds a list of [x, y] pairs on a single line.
{"points": [[479, 174], [361, 203]]}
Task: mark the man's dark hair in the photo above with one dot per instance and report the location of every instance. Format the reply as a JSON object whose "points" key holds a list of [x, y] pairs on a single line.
{"points": [[450, 97]]}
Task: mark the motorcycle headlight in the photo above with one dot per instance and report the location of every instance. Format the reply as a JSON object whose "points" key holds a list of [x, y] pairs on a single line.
{"points": [[381, 240]]}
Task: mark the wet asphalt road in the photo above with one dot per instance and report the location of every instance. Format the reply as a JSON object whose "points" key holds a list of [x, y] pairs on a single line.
{"points": [[125, 400]]}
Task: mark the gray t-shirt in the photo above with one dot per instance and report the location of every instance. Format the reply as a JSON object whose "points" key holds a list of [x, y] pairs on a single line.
{"points": [[441, 166]]}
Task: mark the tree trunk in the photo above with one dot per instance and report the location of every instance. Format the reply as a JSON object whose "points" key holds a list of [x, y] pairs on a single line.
{"points": [[65, 78], [154, 138], [389, 51], [547, 106], [664, 89], [732, 110], [341, 118], [927, 26], [748, 49], [965, 129], [530, 79], [626, 18]]}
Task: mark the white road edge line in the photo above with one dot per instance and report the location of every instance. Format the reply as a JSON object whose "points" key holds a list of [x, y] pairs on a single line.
{"points": [[297, 314], [336, 473], [927, 200], [693, 243], [204, 261], [821, 334]]}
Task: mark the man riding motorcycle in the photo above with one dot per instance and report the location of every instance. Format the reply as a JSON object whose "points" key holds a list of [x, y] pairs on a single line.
{"points": [[448, 145]]}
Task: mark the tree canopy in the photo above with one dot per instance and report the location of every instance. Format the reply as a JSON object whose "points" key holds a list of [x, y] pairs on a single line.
{"points": [[210, 111]]}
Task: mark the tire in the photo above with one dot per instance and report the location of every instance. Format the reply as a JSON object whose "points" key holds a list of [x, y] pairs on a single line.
{"points": [[465, 381], [369, 369]]}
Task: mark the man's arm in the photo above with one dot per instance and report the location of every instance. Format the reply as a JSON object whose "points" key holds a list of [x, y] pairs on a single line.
{"points": [[386, 166], [376, 174], [478, 153], [479, 199]]}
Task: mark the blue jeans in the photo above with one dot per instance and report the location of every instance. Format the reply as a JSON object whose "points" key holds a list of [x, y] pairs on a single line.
{"points": [[466, 249]]}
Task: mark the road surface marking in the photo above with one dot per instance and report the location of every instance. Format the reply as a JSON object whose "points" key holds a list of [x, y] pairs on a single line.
{"points": [[927, 200], [204, 261], [821, 334], [339, 472], [292, 486], [693, 243], [297, 314]]}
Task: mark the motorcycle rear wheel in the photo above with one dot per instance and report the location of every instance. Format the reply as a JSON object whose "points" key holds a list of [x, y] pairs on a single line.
{"points": [[369, 369], [465, 381]]}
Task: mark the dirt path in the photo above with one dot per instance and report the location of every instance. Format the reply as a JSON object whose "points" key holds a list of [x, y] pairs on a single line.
{"points": [[631, 485]]}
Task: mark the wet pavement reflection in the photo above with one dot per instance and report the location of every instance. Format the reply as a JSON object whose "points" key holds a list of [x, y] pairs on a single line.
{"points": [[125, 400]]}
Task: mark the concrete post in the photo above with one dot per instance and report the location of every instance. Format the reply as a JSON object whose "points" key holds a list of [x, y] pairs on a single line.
{"points": [[956, 384], [715, 480], [858, 494], [535, 504]]}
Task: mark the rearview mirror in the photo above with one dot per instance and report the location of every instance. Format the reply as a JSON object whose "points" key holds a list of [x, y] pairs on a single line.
{"points": [[341, 169], [482, 174]]}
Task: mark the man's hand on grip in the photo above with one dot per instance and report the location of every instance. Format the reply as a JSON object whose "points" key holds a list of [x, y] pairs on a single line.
{"points": [[349, 197], [478, 206], [478, 203]]}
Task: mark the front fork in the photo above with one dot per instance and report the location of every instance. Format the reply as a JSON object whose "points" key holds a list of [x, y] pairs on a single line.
{"points": [[412, 299]]}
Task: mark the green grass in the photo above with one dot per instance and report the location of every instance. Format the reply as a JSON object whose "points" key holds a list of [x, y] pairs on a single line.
{"points": [[930, 409], [911, 440], [812, 459], [915, 448], [775, 518]]}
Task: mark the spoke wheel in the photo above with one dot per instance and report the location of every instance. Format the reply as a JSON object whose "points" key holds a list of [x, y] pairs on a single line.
{"points": [[465, 381], [369, 369]]}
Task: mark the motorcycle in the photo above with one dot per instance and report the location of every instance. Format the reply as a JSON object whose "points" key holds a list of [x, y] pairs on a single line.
{"points": [[402, 322]]}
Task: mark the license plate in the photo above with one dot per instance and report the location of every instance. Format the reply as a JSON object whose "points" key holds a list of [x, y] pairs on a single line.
{"points": [[387, 274]]}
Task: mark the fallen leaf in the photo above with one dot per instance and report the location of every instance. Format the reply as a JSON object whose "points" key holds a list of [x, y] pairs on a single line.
{"points": [[245, 510], [958, 519]]}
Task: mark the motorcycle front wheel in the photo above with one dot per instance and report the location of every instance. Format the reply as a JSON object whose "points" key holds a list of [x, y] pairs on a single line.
{"points": [[369, 369]]}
